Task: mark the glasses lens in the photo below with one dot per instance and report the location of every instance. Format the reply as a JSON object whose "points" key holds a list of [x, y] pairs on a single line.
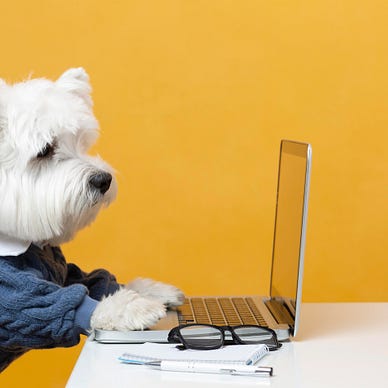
{"points": [[255, 335], [202, 337]]}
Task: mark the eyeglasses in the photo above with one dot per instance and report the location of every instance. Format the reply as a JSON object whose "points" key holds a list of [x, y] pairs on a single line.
{"points": [[207, 337]]}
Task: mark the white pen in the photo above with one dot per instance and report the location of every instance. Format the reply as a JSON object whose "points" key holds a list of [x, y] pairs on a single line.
{"points": [[207, 367]]}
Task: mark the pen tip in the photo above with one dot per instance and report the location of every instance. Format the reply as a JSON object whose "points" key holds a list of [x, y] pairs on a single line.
{"points": [[153, 363]]}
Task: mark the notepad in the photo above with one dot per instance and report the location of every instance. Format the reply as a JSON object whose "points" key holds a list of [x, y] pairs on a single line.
{"points": [[233, 354]]}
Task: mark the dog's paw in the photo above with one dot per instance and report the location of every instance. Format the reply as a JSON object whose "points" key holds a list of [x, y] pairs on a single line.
{"points": [[127, 310], [165, 293]]}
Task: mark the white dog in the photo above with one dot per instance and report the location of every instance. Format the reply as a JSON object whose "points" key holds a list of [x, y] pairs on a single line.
{"points": [[50, 189]]}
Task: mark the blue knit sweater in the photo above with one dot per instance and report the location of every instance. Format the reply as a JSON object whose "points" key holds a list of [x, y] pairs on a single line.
{"points": [[45, 302]]}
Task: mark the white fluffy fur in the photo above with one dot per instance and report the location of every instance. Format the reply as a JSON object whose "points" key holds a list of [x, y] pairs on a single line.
{"points": [[165, 293], [47, 200], [127, 310], [136, 306]]}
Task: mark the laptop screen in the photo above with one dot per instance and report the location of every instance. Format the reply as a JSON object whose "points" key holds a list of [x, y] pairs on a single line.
{"points": [[290, 221]]}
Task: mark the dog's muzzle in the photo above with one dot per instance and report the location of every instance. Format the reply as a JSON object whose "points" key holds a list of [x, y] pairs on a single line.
{"points": [[101, 181]]}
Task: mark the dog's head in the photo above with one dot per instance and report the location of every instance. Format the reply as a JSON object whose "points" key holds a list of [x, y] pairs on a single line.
{"points": [[49, 187]]}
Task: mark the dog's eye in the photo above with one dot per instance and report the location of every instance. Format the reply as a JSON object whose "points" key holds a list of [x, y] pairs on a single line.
{"points": [[47, 151]]}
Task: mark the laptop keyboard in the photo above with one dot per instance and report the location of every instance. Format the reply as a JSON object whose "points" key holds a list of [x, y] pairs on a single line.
{"points": [[220, 311]]}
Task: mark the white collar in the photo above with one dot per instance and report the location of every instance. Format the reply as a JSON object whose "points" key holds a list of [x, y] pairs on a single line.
{"points": [[11, 246]]}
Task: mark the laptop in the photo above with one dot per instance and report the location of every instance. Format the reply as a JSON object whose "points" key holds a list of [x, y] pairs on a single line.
{"points": [[280, 310]]}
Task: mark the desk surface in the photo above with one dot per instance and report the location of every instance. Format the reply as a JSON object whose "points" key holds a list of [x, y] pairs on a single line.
{"points": [[339, 345]]}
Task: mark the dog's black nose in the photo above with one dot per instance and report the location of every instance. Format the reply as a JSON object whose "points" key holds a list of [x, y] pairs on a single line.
{"points": [[101, 181]]}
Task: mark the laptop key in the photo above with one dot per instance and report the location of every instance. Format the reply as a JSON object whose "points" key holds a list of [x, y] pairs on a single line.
{"points": [[199, 310], [229, 311], [255, 311], [245, 313], [215, 313], [185, 314]]}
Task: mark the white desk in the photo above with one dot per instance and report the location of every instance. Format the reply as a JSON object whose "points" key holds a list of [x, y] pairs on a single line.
{"points": [[340, 345]]}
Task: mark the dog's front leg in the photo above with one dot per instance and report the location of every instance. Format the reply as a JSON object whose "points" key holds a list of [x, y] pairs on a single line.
{"points": [[127, 310]]}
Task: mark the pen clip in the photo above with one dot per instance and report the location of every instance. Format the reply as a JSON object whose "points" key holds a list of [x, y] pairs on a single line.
{"points": [[256, 372]]}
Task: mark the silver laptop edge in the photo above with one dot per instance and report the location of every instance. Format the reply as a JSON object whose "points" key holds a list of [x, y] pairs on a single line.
{"points": [[295, 310], [298, 299]]}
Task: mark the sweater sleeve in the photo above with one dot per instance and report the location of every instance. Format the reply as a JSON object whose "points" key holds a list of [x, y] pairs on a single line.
{"points": [[99, 282], [35, 313]]}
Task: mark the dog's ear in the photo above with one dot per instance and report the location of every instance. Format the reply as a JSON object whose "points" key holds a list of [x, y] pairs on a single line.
{"points": [[76, 81]]}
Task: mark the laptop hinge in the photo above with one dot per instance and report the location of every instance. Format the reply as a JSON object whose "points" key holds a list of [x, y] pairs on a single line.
{"points": [[280, 312]]}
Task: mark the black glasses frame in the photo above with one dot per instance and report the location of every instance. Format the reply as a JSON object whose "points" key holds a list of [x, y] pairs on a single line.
{"points": [[175, 336]]}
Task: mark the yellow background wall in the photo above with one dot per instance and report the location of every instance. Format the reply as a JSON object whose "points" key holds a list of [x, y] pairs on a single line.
{"points": [[193, 98]]}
